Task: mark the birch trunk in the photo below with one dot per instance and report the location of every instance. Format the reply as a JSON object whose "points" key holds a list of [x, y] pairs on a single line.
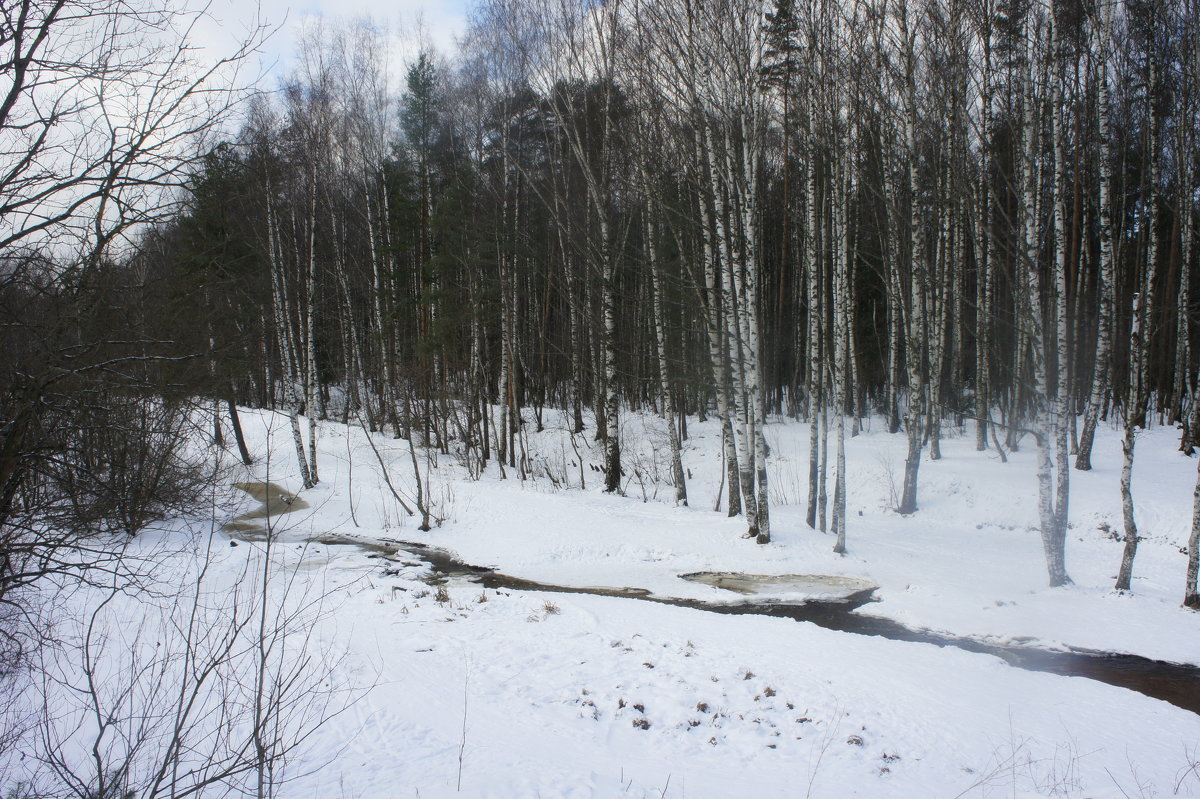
{"points": [[311, 387], [501, 428], [660, 336], [741, 179], [1061, 401], [983, 250], [895, 326], [1129, 552], [612, 443], [748, 187], [822, 478], [1053, 534], [854, 381], [717, 356], [1185, 390], [942, 299], [816, 398], [733, 338], [1105, 278], [842, 247], [286, 349], [1139, 345], [1183, 358], [1184, 363], [1191, 588], [917, 333], [378, 324]]}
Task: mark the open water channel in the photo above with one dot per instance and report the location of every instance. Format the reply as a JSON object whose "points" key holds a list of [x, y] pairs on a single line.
{"points": [[1172, 682]]}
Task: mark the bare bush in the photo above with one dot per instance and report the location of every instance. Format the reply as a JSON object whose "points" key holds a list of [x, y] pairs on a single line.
{"points": [[210, 691]]}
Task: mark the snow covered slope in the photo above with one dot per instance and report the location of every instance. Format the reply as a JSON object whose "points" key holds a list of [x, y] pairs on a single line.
{"points": [[516, 693]]}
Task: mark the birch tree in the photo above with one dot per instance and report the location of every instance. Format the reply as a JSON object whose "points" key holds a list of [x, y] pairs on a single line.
{"points": [[1046, 421], [917, 331], [1101, 28], [1138, 380]]}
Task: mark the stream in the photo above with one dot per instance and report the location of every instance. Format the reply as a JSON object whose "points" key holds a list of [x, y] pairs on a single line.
{"points": [[1171, 682]]}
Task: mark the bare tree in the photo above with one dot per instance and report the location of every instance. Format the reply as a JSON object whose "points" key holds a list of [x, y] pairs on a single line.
{"points": [[104, 104], [107, 106], [211, 692]]}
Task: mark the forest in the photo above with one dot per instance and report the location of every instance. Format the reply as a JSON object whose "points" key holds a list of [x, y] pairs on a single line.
{"points": [[943, 218], [950, 213]]}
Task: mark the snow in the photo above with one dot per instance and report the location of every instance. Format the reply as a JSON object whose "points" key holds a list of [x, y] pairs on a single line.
{"points": [[503, 693]]}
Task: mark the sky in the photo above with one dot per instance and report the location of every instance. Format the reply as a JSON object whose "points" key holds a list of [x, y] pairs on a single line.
{"points": [[440, 20]]}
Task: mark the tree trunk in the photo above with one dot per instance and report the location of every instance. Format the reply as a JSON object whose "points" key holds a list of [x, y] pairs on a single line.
{"points": [[1102, 368], [816, 375], [1191, 587], [716, 349], [236, 422], [1053, 533], [916, 335], [1125, 575], [283, 315], [660, 340], [841, 315]]}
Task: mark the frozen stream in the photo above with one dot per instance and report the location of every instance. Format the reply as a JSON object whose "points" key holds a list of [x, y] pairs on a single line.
{"points": [[831, 603]]}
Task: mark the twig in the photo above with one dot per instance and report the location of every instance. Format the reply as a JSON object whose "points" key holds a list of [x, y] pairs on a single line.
{"points": [[462, 743], [383, 467]]}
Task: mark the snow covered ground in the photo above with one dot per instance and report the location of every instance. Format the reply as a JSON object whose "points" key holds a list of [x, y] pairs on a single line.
{"points": [[969, 562], [504, 693]]}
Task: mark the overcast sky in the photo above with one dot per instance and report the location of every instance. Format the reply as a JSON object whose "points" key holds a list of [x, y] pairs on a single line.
{"points": [[441, 21]]}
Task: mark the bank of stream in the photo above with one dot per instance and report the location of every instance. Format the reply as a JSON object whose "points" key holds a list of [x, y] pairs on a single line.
{"points": [[1175, 683], [1171, 682]]}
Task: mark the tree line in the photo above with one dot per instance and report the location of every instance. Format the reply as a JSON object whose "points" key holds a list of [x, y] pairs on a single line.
{"points": [[937, 213], [957, 212]]}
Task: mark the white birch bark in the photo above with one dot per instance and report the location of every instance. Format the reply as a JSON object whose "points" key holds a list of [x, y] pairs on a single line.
{"points": [[311, 387], [748, 188], [896, 324], [378, 324], [917, 331], [1191, 587], [722, 380], [733, 337], [501, 428], [1061, 401], [660, 349], [286, 349], [715, 327], [612, 442], [854, 382], [1139, 346], [1183, 361], [983, 247], [1186, 389], [816, 398], [1183, 358], [941, 300], [822, 478], [1105, 276], [1129, 551], [1053, 534], [842, 248], [743, 279]]}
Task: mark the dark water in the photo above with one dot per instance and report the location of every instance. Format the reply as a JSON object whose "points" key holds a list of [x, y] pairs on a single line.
{"points": [[1171, 682]]}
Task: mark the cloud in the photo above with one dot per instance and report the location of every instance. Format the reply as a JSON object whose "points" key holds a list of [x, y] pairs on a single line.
{"points": [[414, 22]]}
